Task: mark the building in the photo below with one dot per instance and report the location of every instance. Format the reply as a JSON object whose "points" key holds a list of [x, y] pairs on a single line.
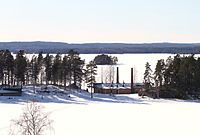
{"points": [[10, 92], [120, 88]]}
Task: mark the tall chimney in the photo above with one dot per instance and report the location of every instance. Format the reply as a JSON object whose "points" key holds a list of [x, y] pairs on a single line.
{"points": [[117, 75], [132, 89]]}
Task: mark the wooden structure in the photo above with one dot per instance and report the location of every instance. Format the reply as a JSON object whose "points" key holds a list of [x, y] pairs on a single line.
{"points": [[107, 88], [118, 88], [11, 92]]}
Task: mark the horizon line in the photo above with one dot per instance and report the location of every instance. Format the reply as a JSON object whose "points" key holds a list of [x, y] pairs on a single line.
{"points": [[45, 41]]}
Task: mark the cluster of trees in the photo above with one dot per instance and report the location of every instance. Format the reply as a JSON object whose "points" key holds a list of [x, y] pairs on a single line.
{"points": [[12, 70], [64, 70], [176, 77], [57, 70], [105, 60]]}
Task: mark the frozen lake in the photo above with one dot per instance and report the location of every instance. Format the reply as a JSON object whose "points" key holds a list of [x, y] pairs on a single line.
{"points": [[125, 63]]}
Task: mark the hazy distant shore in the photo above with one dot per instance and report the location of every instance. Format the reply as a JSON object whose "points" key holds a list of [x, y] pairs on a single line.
{"points": [[99, 48]]}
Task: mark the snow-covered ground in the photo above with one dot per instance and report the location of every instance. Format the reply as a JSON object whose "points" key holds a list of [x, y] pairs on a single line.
{"points": [[105, 114]]}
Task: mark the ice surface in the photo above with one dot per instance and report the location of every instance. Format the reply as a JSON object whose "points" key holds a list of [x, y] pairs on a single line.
{"points": [[125, 63]]}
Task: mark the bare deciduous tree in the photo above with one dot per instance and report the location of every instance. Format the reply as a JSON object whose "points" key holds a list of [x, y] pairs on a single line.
{"points": [[33, 121], [109, 73]]}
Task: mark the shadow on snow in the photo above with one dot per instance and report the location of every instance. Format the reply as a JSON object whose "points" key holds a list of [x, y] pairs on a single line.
{"points": [[60, 96]]}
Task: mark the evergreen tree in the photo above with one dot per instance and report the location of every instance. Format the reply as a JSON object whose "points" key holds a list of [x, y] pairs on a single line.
{"points": [[175, 69], [148, 77], [168, 72], [192, 74], [91, 71], [56, 69], [2, 66], [182, 76], [186, 74], [159, 75], [48, 62], [8, 67], [75, 67], [20, 67], [197, 75], [38, 67], [65, 69], [34, 69], [29, 72]]}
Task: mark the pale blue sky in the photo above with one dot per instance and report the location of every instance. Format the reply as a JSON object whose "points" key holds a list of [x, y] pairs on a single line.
{"points": [[78, 21]]}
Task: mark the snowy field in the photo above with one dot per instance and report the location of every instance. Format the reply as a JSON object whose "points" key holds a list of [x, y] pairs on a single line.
{"points": [[105, 114]]}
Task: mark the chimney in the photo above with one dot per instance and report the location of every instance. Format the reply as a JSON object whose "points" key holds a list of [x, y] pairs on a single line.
{"points": [[117, 75], [132, 89]]}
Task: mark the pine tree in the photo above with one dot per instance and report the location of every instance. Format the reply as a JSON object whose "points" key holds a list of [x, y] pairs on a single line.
{"points": [[34, 69], [2, 66], [29, 72], [76, 68], [168, 72], [56, 69], [9, 67], [192, 76], [148, 77], [175, 69], [91, 71], [197, 75], [20, 67], [159, 75], [48, 62], [186, 74], [65, 69], [38, 67], [181, 75]]}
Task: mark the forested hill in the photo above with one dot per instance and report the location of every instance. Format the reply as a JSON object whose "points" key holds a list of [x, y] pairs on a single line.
{"points": [[98, 48]]}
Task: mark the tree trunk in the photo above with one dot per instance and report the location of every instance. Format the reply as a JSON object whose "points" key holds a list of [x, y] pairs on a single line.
{"points": [[9, 78]]}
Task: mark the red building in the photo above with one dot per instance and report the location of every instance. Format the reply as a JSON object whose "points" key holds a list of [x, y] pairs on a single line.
{"points": [[125, 88]]}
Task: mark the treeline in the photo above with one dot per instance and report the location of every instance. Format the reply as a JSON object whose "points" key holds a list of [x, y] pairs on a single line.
{"points": [[69, 70], [99, 48], [177, 77]]}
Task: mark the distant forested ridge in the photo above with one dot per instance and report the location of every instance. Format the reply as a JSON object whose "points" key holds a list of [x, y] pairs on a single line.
{"points": [[101, 48]]}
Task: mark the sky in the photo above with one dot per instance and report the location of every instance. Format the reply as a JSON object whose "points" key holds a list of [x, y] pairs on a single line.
{"points": [[110, 21]]}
